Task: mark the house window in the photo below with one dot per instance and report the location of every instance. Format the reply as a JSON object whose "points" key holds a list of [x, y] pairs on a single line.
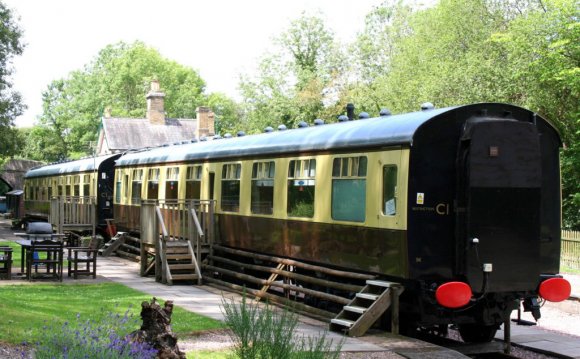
{"points": [[136, 186], [193, 182], [390, 190], [172, 183], [263, 187], [301, 188], [153, 183], [349, 189], [230, 200]]}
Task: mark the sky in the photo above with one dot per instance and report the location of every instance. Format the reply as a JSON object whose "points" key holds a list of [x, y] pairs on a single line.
{"points": [[219, 38]]}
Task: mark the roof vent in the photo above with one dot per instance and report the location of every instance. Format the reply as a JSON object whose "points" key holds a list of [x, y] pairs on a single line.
{"points": [[342, 118], [385, 112], [427, 106], [228, 135], [363, 116], [203, 138], [302, 124], [282, 128], [268, 129], [318, 122], [350, 111]]}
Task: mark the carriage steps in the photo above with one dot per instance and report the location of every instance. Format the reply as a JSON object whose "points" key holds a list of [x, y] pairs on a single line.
{"points": [[180, 262], [367, 307], [113, 244]]}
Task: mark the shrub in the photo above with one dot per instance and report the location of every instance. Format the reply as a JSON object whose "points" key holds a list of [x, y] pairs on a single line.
{"points": [[265, 333]]}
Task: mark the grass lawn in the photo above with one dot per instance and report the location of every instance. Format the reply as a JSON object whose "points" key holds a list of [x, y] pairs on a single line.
{"points": [[26, 309], [205, 354]]}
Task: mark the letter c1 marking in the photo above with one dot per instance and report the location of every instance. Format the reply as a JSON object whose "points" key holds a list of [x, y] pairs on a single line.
{"points": [[442, 209]]}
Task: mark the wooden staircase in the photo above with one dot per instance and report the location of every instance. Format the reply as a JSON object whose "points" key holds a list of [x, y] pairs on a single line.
{"points": [[180, 262], [367, 307], [113, 244]]}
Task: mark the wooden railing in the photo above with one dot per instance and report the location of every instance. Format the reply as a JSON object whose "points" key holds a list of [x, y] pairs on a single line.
{"points": [[169, 221], [69, 213], [570, 255]]}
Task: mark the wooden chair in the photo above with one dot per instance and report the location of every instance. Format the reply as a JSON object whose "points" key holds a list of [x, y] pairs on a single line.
{"points": [[48, 253], [86, 257], [6, 262]]}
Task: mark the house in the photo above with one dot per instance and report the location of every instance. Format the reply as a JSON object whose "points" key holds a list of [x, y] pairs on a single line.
{"points": [[118, 135]]}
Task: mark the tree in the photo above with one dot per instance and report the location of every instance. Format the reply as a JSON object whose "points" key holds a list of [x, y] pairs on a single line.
{"points": [[11, 105], [299, 81], [119, 78], [524, 52]]}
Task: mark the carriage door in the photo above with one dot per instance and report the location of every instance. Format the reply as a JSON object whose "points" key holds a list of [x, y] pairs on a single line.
{"points": [[500, 204]]}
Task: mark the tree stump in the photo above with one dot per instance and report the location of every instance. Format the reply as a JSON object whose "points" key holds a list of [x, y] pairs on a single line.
{"points": [[156, 330]]}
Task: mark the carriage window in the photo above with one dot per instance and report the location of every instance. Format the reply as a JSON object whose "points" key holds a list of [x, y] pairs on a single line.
{"points": [[77, 185], [349, 188], [390, 190], [301, 188], [67, 187], [153, 183], [136, 186], [193, 182], [86, 185], [263, 187], [231, 187], [118, 187], [172, 183]]}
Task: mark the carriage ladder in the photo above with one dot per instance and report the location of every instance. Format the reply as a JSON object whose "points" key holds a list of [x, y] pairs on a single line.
{"points": [[367, 307], [113, 244]]}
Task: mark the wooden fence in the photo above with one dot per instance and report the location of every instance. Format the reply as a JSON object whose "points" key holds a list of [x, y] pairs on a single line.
{"points": [[570, 256]]}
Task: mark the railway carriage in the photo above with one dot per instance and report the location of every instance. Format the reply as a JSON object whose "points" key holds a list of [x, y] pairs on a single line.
{"points": [[461, 204], [89, 178]]}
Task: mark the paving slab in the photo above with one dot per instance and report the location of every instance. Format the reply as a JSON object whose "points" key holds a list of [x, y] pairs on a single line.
{"points": [[565, 346]]}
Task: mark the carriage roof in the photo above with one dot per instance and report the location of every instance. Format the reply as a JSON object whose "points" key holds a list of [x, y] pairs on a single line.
{"points": [[64, 168], [381, 131]]}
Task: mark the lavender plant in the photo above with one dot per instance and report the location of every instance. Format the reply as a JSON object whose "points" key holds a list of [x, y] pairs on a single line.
{"points": [[268, 334], [91, 339]]}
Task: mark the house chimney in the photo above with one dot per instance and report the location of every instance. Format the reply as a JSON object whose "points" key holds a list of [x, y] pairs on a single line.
{"points": [[205, 122], [155, 105]]}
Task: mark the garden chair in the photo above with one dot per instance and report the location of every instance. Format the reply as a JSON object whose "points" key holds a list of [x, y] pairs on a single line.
{"points": [[6, 262], [86, 257]]}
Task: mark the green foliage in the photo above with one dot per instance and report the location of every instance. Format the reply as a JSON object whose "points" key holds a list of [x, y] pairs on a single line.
{"points": [[227, 113], [298, 81], [10, 45], [119, 79], [465, 51], [265, 333]]}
